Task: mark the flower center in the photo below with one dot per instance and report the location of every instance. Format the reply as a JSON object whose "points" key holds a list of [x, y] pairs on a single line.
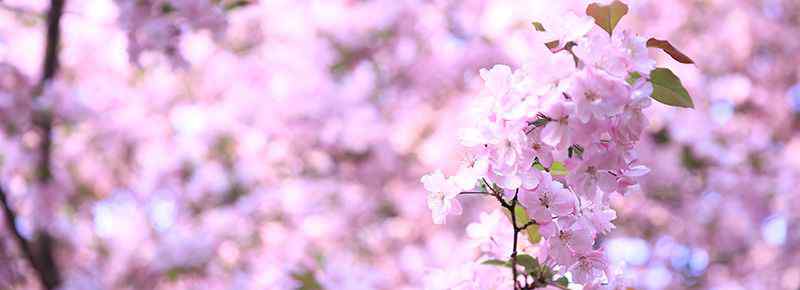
{"points": [[545, 200], [564, 235], [591, 96]]}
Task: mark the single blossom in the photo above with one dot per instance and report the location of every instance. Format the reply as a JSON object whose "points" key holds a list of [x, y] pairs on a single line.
{"points": [[567, 238], [471, 170], [441, 196], [589, 266], [566, 27], [598, 94], [598, 217], [497, 80], [593, 170], [635, 47], [548, 199], [556, 132]]}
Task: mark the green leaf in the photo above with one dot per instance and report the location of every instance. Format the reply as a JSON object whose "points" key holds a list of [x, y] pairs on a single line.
{"points": [[633, 77], [539, 122], [172, 274], [531, 264], [558, 169], [496, 262], [307, 281], [538, 25], [607, 16], [563, 281], [167, 8], [522, 219], [668, 89]]}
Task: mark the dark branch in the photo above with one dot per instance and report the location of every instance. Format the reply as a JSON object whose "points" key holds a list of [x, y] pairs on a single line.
{"points": [[50, 67], [51, 62], [526, 225], [516, 235], [11, 219], [39, 252], [43, 263], [475, 193]]}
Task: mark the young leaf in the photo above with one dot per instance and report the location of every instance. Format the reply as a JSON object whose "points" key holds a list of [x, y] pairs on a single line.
{"points": [[558, 169], [496, 262], [307, 280], [530, 263], [522, 219], [552, 45], [538, 25], [607, 16], [633, 77], [669, 49], [668, 89], [563, 281]]}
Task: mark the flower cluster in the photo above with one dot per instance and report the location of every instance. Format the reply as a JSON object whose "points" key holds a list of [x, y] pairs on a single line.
{"points": [[557, 137]]}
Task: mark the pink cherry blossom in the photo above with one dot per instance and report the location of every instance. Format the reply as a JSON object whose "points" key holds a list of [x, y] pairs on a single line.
{"points": [[569, 240], [547, 200], [598, 94], [441, 196], [589, 266]]}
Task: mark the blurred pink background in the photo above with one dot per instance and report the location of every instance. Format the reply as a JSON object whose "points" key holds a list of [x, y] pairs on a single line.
{"points": [[227, 144]]}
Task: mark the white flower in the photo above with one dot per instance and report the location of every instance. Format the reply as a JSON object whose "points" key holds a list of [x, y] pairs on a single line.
{"points": [[441, 196]]}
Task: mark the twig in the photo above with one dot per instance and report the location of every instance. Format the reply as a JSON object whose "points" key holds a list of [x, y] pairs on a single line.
{"points": [[516, 235], [475, 193], [526, 225]]}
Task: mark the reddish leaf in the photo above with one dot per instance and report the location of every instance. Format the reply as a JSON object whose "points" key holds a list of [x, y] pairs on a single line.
{"points": [[607, 16], [669, 49]]}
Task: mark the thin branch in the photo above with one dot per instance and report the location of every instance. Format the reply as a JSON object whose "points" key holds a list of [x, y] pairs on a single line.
{"points": [[497, 195], [526, 225], [516, 235], [11, 223], [475, 193]]}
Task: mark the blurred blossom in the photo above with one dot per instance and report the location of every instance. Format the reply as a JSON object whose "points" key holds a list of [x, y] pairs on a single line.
{"points": [[774, 230], [627, 250], [722, 111], [279, 144], [794, 97], [656, 278]]}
